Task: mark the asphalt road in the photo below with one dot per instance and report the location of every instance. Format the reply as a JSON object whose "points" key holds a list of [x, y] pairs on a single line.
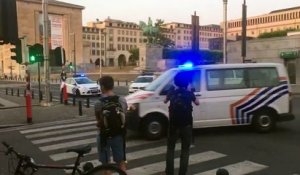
{"points": [[239, 149]]}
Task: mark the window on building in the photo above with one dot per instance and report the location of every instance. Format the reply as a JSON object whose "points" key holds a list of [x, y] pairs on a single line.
{"points": [[123, 39], [131, 47], [111, 38], [102, 52], [93, 37], [127, 32], [119, 39], [127, 47], [110, 24], [97, 37], [123, 47], [134, 33], [134, 40], [140, 40], [93, 52], [93, 44], [84, 36], [119, 47], [131, 40], [126, 39], [111, 47], [119, 32], [98, 45], [130, 33], [178, 37], [98, 52], [88, 37]]}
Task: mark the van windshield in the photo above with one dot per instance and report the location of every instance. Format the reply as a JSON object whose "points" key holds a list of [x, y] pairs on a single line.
{"points": [[157, 82]]}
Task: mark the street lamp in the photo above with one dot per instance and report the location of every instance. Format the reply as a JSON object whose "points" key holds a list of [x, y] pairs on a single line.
{"points": [[225, 32], [100, 61], [73, 51]]}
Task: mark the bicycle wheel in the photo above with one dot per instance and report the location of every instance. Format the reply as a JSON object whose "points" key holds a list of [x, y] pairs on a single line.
{"points": [[106, 170]]}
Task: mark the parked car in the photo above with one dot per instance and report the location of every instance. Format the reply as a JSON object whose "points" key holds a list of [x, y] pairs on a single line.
{"points": [[141, 82]]}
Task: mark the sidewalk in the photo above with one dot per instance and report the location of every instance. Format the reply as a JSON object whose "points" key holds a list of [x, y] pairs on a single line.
{"points": [[13, 112]]}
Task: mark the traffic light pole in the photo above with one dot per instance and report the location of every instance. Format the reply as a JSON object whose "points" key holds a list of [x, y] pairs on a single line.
{"points": [[46, 53]]}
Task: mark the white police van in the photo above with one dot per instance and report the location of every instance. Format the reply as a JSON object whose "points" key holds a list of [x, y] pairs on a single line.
{"points": [[255, 94]]}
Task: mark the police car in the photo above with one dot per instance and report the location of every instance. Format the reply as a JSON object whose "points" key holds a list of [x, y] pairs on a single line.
{"points": [[80, 85], [230, 95], [141, 82]]}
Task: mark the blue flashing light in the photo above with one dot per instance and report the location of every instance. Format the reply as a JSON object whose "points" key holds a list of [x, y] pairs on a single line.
{"points": [[187, 65], [79, 75]]}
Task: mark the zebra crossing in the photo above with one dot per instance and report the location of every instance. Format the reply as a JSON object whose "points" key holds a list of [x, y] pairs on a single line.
{"points": [[144, 157]]}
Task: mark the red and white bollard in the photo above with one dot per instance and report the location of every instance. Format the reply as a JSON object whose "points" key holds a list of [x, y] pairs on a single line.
{"points": [[65, 94], [28, 107]]}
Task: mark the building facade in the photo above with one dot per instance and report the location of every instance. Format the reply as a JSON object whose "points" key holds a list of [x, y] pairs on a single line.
{"points": [[65, 28], [285, 50], [111, 40], [274, 21], [181, 34], [118, 37]]}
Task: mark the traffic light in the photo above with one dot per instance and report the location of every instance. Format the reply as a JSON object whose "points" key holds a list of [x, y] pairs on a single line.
{"points": [[60, 56], [16, 52], [36, 53]]}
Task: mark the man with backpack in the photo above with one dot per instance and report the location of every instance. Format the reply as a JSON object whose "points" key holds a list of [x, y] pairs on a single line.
{"points": [[110, 115], [180, 122]]}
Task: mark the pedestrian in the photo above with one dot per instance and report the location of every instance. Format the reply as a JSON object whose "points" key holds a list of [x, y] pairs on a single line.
{"points": [[110, 115], [180, 122], [63, 76]]}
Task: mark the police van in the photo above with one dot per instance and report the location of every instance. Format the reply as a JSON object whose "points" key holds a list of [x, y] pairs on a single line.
{"points": [[256, 94]]}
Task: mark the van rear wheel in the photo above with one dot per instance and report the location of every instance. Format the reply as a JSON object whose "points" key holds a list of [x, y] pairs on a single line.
{"points": [[154, 128], [264, 121]]}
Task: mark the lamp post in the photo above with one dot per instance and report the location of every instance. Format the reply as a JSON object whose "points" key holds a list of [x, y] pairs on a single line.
{"points": [[100, 61], [225, 31], [46, 52], [74, 52]]}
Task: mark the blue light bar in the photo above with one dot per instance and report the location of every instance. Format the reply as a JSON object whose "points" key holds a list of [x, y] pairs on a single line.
{"points": [[187, 65]]}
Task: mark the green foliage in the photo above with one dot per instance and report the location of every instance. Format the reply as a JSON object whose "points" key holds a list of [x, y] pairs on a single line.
{"points": [[134, 57], [279, 33]]}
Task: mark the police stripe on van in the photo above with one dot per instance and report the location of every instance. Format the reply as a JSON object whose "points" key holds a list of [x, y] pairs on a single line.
{"points": [[242, 110]]}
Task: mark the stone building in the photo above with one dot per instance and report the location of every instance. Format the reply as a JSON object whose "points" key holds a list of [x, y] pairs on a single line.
{"points": [[117, 38], [65, 28], [284, 50], [274, 21]]}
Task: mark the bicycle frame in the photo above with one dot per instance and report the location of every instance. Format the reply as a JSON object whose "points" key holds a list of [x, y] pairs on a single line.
{"points": [[25, 162]]}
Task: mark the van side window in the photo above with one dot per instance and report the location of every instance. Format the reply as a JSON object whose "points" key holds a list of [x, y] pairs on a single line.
{"points": [[224, 79], [194, 79], [263, 77]]}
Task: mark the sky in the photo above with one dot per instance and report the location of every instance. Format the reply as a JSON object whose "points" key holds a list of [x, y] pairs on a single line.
{"points": [[209, 11]]}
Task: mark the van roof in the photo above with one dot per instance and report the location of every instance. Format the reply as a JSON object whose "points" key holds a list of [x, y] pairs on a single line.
{"points": [[236, 65]]}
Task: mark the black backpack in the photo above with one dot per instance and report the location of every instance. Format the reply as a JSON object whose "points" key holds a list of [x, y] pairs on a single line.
{"points": [[180, 108], [111, 112]]}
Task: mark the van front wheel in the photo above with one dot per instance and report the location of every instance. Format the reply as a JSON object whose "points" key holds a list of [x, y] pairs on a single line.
{"points": [[154, 128], [263, 122]]}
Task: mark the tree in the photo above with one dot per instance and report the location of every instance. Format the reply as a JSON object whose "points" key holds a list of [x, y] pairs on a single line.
{"points": [[134, 57], [275, 33], [161, 39]]}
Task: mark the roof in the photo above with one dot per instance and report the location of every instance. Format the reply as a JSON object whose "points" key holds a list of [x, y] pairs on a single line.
{"points": [[236, 65], [286, 9], [56, 3]]}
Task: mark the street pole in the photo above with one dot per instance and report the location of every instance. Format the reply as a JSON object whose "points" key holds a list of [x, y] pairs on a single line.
{"points": [[74, 52], [244, 32], [225, 32], [46, 52], [39, 77], [100, 61], [104, 46]]}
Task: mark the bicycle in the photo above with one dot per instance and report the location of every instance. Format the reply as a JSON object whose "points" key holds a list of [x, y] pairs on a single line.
{"points": [[27, 166]]}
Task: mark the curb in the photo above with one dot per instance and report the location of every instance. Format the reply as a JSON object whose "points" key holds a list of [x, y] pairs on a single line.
{"points": [[10, 125]]}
